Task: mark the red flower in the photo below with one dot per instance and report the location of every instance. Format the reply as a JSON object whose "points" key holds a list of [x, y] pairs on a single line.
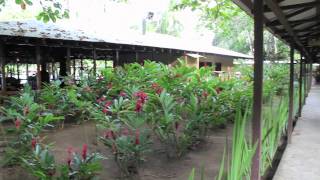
{"points": [[99, 101], [154, 85], [139, 105], [205, 94], [70, 151], [123, 94], [159, 90], [84, 151], [176, 125], [108, 104], [33, 143], [110, 135], [17, 123], [105, 110], [142, 96], [100, 78], [25, 111], [103, 98], [137, 140]]}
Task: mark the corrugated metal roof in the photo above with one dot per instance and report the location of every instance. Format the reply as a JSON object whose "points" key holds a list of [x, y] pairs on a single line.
{"points": [[37, 29]]}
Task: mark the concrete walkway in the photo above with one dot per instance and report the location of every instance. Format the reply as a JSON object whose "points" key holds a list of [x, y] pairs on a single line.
{"points": [[301, 159]]}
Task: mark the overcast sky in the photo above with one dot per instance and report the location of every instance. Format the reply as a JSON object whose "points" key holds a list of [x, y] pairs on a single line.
{"points": [[108, 16]]}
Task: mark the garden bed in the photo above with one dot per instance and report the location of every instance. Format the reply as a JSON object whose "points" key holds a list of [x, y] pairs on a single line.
{"points": [[158, 167]]}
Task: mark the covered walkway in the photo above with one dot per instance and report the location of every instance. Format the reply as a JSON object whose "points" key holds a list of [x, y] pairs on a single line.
{"points": [[301, 159]]}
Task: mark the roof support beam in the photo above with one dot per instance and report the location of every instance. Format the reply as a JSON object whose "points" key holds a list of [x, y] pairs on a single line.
{"points": [[295, 6], [257, 87], [295, 13], [278, 12]]}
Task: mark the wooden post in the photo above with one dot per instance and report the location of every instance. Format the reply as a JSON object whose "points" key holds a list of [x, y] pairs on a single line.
{"points": [[53, 69], [3, 70], [137, 57], [27, 71], [291, 89], [81, 67], [74, 69], [38, 60], [68, 62], [18, 72], [310, 76], [257, 87], [300, 86], [117, 58], [305, 80], [94, 57]]}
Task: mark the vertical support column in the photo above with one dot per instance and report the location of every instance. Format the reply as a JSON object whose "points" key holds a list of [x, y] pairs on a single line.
{"points": [[290, 119], [310, 77], [94, 57], [18, 71], [300, 86], [3, 70], [53, 69], [81, 67], [38, 60], [74, 69], [117, 58], [305, 80], [68, 62], [27, 71], [137, 57], [257, 87]]}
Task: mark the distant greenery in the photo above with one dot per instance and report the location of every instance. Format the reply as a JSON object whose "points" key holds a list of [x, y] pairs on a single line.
{"points": [[233, 28]]}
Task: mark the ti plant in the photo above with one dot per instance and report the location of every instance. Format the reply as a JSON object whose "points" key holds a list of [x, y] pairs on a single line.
{"points": [[29, 118], [129, 144], [166, 123], [41, 163], [82, 166]]}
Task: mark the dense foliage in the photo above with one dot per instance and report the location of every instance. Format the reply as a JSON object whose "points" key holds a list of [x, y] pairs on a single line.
{"points": [[135, 105]]}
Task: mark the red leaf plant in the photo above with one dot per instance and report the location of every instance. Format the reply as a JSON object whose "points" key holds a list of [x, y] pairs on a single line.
{"points": [[17, 123]]}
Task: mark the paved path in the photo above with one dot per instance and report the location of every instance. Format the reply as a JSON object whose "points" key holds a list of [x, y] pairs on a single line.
{"points": [[301, 159]]}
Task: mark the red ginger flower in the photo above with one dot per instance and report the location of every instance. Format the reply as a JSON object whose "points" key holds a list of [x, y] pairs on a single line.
{"points": [[17, 123], [100, 78], [137, 140], [84, 151], [70, 151], [108, 104], [33, 143], [105, 110], [154, 85], [159, 90], [205, 94], [103, 98], [110, 135], [123, 94], [139, 105], [142, 96]]}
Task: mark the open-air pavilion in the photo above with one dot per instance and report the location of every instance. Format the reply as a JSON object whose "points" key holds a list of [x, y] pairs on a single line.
{"points": [[59, 51]]}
